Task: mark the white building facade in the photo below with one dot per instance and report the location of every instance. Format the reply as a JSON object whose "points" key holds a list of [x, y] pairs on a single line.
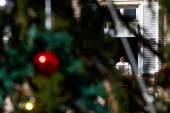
{"points": [[151, 24]]}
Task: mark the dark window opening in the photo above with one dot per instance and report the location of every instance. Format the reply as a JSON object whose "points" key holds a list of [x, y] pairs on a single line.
{"points": [[130, 13]]}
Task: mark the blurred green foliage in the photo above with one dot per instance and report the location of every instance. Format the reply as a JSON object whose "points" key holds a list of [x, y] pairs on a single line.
{"points": [[86, 60]]}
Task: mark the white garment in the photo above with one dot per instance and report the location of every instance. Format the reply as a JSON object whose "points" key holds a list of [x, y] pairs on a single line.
{"points": [[124, 67]]}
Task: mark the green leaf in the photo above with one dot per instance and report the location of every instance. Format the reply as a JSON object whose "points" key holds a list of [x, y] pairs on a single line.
{"points": [[1, 101], [8, 85], [32, 32], [3, 72]]}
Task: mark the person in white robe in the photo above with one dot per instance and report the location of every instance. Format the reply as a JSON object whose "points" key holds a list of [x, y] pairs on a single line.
{"points": [[124, 67]]}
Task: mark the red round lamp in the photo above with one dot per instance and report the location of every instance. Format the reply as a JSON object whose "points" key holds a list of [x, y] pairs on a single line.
{"points": [[46, 63]]}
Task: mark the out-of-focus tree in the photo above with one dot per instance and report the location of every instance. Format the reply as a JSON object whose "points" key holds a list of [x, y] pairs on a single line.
{"points": [[86, 80]]}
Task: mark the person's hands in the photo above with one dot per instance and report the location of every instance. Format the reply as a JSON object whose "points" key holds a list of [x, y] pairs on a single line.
{"points": [[126, 68]]}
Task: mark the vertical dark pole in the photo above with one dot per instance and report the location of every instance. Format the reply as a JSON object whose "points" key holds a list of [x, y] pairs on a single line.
{"points": [[49, 97], [48, 28], [1, 41]]}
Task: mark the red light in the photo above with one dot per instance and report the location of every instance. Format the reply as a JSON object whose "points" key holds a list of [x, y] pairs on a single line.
{"points": [[42, 59], [46, 63]]}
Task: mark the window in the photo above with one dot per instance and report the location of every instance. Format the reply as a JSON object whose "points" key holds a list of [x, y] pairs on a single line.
{"points": [[130, 13], [121, 30]]}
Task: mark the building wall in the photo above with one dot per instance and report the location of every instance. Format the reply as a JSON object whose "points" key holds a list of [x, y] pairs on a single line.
{"points": [[125, 2]]}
